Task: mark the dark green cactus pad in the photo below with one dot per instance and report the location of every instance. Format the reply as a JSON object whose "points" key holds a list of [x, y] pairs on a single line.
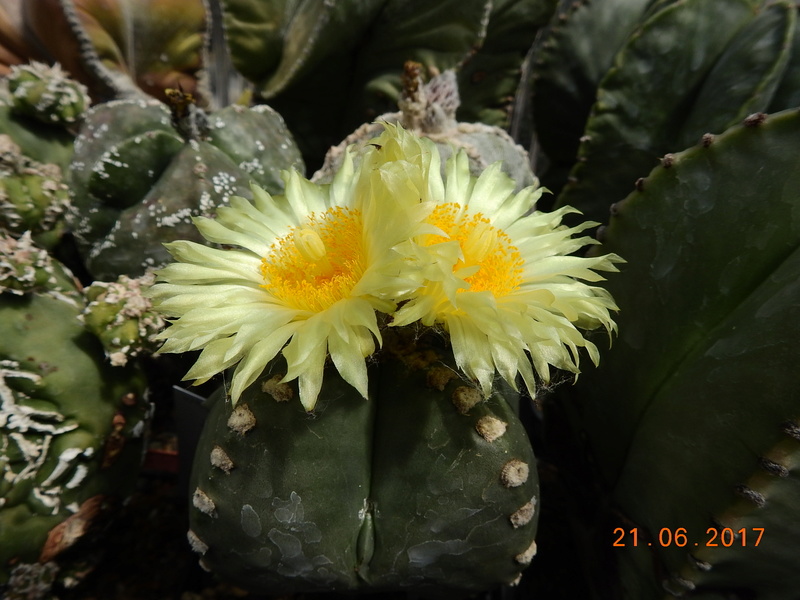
{"points": [[699, 391], [71, 428], [416, 487], [567, 68], [137, 183], [488, 80], [645, 98], [749, 72], [351, 51]]}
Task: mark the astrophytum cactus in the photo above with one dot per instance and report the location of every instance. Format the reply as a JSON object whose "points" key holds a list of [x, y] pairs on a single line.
{"points": [[359, 495], [71, 425], [140, 173], [413, 469], [692, 425]]}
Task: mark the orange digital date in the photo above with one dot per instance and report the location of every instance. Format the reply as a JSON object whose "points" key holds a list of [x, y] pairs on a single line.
{"points": [[679, 537]]}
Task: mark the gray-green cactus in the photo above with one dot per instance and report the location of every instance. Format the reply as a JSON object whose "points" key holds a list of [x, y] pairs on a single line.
{"points": [[429, 109], [692, 421], [426, 484], [46, 93], [137, 182], [71, 426]]}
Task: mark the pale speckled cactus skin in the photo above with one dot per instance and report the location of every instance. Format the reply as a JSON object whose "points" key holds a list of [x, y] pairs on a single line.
{"points": [[424, 485], [71, 426], [137, 181], [691, 421]]}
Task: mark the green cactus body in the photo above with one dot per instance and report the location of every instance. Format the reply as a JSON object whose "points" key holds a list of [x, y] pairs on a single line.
{"points": [[120, 48], [47, 94], [137, 183], [430, 110], [71, 426], [423, 485], [567, 70], [490, 78], [122, 318], [32, 196], [691, 420], [41, 142], [643, 112]]}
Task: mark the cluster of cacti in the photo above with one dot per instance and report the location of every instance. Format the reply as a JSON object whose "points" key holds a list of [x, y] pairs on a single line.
{"points": [[71, 425], [659, 120]]}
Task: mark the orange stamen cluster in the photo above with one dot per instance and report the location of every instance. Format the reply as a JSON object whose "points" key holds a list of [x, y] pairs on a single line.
{"points": [[483, 245], [314, 266]]}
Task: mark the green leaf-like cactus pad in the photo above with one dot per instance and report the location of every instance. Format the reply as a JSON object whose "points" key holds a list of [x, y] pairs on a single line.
{"points": [[696, 393], [414, 487]]}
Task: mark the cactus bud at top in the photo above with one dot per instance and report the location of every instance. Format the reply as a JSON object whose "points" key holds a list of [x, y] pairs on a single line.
{"points": [[47, 93]]}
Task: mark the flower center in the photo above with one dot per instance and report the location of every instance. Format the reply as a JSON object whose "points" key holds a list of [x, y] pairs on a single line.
{"points": [[484, 246], [316, 265]]}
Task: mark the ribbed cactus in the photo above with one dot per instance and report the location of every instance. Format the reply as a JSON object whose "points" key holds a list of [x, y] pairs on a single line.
{"points": [[359, 496], [33, 197], [140, 173], [372, 322], [691, 424], [71, 426], [702, 434], [414, 471]]}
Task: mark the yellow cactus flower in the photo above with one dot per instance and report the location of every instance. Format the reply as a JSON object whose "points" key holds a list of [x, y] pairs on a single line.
{"points": [[304, 273], [512, 298]]}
